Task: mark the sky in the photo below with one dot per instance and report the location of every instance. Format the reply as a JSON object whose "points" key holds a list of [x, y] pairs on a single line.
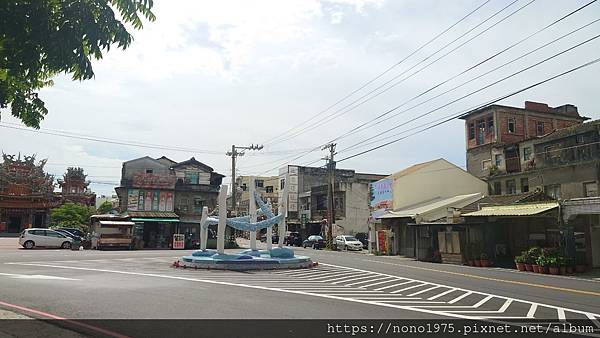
{"points": [[209, 74]]}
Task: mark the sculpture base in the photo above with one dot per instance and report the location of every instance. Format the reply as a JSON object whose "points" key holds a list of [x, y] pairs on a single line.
{"points": [[276, 258]]}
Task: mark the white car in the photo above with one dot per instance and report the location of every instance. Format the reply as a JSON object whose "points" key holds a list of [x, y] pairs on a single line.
{"points": [[345, 242], [41, 237]]}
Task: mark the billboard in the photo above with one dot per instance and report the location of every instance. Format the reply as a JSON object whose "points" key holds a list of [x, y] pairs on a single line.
{"points": [[380, 197], [149, 200]]}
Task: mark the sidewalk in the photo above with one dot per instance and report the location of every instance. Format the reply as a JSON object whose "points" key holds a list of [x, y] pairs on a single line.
{"points": [[13, 324]]}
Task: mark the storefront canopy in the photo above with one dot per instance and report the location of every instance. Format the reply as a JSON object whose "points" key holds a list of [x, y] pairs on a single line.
{"points": [[116, 223], [433, 209], [514, 210]]}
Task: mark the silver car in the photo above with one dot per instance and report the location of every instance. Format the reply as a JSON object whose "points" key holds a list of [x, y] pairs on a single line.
{"points": [[346, 242], [42, 237]]}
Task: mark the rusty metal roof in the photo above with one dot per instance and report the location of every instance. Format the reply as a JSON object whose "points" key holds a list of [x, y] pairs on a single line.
{"points": [[514, 210], [152, 214]]}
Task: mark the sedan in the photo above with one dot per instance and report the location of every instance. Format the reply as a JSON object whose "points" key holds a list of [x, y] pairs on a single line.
{"points": [[41, 237], [346, 242], [314, 241]]}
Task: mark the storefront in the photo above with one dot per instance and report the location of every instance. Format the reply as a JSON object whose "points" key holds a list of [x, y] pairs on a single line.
{"points": [[154, 230], [581, 218]]}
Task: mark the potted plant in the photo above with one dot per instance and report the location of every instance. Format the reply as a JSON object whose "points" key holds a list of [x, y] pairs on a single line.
{"points": [[562, 265], [484, 259], [527, 259], [542, 262], [553, 265], [533, 255], [570, 265], [520, 262]]}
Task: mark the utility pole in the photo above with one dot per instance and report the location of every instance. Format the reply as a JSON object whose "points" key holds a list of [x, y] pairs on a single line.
{"points": [[234, 153], [330, 192]]}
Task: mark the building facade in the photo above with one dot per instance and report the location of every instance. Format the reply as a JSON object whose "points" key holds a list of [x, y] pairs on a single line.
{"points": [[74, 187], [266, 186], [26, 194], [307, 199]]}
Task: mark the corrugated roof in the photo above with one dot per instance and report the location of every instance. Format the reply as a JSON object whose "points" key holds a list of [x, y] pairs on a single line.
{"points": [[433, 205], [495, 200], [116, 223], [514, 210], [152, 214]]}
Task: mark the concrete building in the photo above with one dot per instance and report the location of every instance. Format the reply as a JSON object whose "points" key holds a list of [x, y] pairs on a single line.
{"points": [[74, 187], [307, 200], [421, 195], [266, 186]]}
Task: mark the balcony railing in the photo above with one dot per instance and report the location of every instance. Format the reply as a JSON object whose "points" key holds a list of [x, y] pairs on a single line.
{"points": [[513, 165]]}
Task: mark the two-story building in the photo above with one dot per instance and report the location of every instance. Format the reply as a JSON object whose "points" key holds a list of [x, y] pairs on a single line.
{"points": [[307, 199], [266, 186]]}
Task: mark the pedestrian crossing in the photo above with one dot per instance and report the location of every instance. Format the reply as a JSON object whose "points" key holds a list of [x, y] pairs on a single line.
{"points": [[350, 284]]}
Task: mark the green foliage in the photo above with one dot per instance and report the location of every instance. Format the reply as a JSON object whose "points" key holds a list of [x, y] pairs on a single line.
{"points": [[71, 215], [533, 254], [520, 259], [42, 38], [105, 207]]}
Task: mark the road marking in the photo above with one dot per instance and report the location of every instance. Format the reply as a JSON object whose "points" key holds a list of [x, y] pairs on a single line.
{"points": [[501, 310], [531, 312], [410, 287], [386, 280], [369, 281], [394, 285], [439, 295], [561, 314], [423, 291], [551, 287], [22, 276], [466, 294]]}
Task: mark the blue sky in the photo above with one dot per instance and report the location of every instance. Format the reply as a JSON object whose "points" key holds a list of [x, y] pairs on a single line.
{"points": [[206, 75]]}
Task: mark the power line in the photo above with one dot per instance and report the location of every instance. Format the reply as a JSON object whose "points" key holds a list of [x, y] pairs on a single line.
{"points": [[341, 111], [366, 125], [272, 140], [476, 91], [461, 114]]}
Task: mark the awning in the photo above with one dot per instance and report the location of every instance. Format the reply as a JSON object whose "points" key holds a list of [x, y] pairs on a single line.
{"points": [[514, 210], [152, 214], [155, 220], [433, 209], [118, 223]]}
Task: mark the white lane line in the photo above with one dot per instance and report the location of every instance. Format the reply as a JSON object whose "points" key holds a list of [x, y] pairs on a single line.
{"points": [[439, 295], [384, 281], [531, 312], [474, 306], [367, 278], [408, 288], [394, 285], [561, 314], [346, 276], [501, 310], [464, 295], [43, 277], [593, 319], [367, 281], [423, 291]]}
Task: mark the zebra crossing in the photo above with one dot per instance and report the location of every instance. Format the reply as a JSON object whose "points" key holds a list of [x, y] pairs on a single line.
{"points": [[349, 284]]}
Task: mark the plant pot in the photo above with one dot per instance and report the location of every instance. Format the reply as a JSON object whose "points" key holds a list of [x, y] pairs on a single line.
{"points": [[477, 262], [528, 267], [562, 270], [570, 270], [485, 263], [554, 270], [536, 268], [470, 261], [520, 266], [579, 268], [543, 269]]}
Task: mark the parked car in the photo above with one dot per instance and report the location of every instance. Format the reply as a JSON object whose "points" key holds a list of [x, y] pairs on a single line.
{"points": [[314, 241], [41, 237], [345, 242], [69, 234], [74, 231], [363, 237], [293, 239], [274, 238]]}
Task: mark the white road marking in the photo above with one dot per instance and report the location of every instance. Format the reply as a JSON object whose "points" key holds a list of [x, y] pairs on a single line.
{"points": [[383, 281], [46, 277], [561, 314], [394, 285], [501, 310], [408, 288], [423, 291], [531, 312], [464, 295], [439, 295]]}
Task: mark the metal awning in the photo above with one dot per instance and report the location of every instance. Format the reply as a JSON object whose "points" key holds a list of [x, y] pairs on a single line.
{"points": [[435, 207], [514, 210], [124, 223], [175, 220]]}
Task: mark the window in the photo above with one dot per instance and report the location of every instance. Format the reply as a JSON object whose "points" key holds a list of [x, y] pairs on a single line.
{"points": [[149, 171], [539, 128], [553, 191], [580, 139], [490, 124], [486, 164], [282, 184], [511, 125], [480, 131], [198, 204], [259, 183], [511, 188], [191, 177], [524, 184], [498, 160], [244, 187], [526, 153], [269, 189], [471, 131], [497, 188], [590, 189]]}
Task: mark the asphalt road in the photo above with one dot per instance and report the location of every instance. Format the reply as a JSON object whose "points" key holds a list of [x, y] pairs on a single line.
{"points": [[143, 285]]}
